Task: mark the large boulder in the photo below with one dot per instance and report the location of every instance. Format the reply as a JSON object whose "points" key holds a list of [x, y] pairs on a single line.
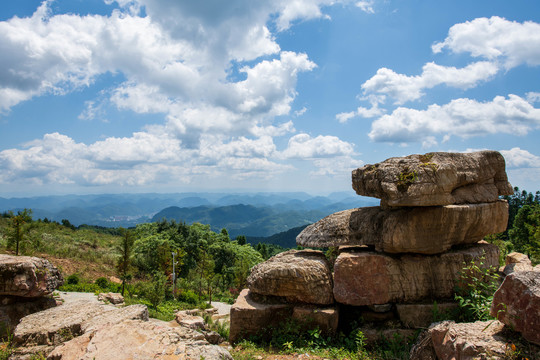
{"points": [[56, 325], [297, 275], [517, 304], [251, 315], [367, 278], [435, 179], [14, 308], [27, 276], [424, 230], [449, 341], [137, 339]]}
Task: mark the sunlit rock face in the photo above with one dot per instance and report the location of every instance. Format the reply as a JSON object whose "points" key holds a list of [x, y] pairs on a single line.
{"points": [[435, 179]]}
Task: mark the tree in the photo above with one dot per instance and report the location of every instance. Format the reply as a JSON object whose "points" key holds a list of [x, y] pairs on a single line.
{"points": [[18, 228], [524, 232], [125, 249]]}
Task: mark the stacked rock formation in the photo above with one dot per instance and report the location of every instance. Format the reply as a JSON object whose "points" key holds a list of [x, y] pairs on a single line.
{"points": [[296, 284], [25, 283], [396, 259]]}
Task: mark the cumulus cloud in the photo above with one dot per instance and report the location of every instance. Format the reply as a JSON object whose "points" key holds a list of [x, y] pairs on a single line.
{"points": [[495, 38], [405, 88], [461, 117], [303, 146], [519, 158], [342, 165]]}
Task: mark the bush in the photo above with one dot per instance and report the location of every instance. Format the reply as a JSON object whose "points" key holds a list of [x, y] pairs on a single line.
{"points": [[73, 279], [188, 296], [476, 285], [102, 282]]}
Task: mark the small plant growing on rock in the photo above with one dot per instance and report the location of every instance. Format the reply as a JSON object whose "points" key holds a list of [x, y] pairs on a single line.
{"points": [[406, 178], [476, 285]]}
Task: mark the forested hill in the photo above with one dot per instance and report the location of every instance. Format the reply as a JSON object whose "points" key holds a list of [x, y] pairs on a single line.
{"points": [[242, 219], [286, 239]]}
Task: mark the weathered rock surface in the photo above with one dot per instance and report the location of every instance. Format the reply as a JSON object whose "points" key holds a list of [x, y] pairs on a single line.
{"points": [[113, 298], [517, 262], [188, 320], [297, 275], [422, 315], [325, 319], [435, 179], [449, 341], [137, 339], [367, 278], [56, 325], [14, 308], [249, 317], [517, 304], [27, 276], [424, 230]]}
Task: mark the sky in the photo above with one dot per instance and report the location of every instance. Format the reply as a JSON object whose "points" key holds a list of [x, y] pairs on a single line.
{"points": [[120, 96]]}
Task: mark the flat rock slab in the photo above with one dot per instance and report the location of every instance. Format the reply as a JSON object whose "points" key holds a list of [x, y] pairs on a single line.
{"points": [[423, 230], [56, 325], [297, 275], [449, 341], [517, 304], [437, 178], [368, 278], [138, 339], [253, 317], [14, 308], [422, 315], [28, 276]]}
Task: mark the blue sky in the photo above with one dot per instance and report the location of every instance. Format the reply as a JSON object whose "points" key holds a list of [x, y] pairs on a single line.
{"points": [[103, 96]]}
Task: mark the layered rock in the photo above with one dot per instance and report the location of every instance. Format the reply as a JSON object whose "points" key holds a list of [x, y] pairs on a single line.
{"points": [[435, 179], [14, 308], [251, 316], [424, 230], [139, 339], [422, 315], [367, 278], [517, 303], [448, 341], [296, 275], [517, 262], [55, 325], [27, 276]]}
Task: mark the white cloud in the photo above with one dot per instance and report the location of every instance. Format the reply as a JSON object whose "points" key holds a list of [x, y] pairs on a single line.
{"points": [[342, 165], [405, 88], [366, 6], [519, 158], [460, 117], [303, 146], [495, 38]]}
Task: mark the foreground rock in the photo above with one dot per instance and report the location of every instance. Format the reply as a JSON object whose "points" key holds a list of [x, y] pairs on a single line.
{"points": [[27, 276], [435, 179], [517, 304], [517, 262], [113, 298], [297, 275], [424, 230], [368, 278], [56, 325], [251, 316], [422, 315], [14, 308], [449, 341], [139, 339]]}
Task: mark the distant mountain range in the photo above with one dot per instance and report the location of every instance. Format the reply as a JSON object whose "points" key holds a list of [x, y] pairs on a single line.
{"points": [[250, 214]]}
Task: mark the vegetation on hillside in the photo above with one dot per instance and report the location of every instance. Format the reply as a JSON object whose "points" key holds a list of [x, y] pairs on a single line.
{"points": [[209, 265]]}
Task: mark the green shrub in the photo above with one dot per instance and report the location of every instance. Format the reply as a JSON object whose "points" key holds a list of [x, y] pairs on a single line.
{"points": [[189, 296], [73, 279], [476, 285], [102, 282]]}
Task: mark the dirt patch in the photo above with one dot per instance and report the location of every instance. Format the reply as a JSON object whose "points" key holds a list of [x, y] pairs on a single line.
{"points": [[86, 269]]}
